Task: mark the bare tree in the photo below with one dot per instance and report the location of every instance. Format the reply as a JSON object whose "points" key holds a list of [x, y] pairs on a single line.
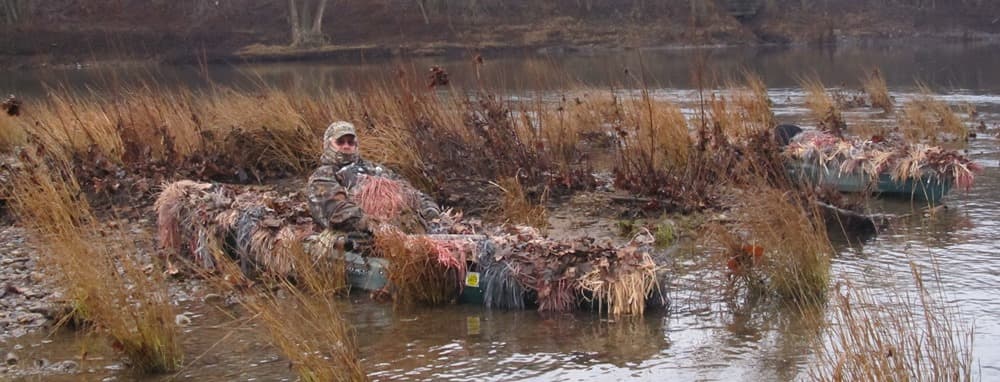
{"points": [[13, 11], [306, 20]]}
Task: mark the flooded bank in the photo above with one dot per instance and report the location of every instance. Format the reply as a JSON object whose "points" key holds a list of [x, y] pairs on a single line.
{"points": [[702, 336]]}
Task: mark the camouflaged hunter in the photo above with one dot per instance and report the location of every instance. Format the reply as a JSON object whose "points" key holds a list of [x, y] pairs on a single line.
{"points": [[342, 171]]}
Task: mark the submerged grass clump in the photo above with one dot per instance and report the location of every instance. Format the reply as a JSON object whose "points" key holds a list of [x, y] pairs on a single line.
{"points": [[99, 266], [894, 337]]}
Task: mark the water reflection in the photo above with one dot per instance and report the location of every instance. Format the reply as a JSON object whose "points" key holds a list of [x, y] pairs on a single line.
{"points": [[970, 68], [470, 343]]}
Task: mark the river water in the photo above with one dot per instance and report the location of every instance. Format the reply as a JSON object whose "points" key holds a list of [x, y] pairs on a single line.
{"points": [[701, 337]]}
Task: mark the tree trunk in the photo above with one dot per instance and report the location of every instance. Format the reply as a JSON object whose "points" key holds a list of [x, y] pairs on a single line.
{"points": [[307, 22], [423, 11], [13, 11], [293, 19], [317, 25]]}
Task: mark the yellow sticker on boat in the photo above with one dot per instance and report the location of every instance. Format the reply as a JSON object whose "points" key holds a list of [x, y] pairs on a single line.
{"points": [[472, 279]]}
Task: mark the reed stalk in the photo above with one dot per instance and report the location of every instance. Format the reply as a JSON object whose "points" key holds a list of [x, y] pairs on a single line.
{"points": [[99, 265], [877, 90], [894, 336]]}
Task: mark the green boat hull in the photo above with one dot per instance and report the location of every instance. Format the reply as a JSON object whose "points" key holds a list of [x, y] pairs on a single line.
{"points": [[370, 274], [928, 188]]}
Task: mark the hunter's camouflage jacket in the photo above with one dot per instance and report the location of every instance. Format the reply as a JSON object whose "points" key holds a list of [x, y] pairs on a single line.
{"points": [[332, 187]]}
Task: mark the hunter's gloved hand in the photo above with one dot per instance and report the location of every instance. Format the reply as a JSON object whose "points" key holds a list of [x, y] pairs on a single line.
{"points": [[442, 224], [358, 241], [430, 213]]}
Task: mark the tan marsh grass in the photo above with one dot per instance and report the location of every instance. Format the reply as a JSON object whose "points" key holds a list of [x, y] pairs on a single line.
{"points": [[515, 206], [898, 336], [927, 118], [823, 107], [794, 258], [304, 320], [99, 266], [877, 90]]}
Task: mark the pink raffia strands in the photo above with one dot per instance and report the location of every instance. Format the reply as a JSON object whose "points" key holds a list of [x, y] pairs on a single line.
{"points": [[197, 219], [381, 198], [168, 213], [446, 256], [556, 296], [965, 175]]}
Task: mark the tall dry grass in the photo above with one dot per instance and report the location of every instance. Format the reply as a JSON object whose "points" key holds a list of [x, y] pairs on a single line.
{"points": [[11, 133], [252, 133], [306, 323], [658, 133], [927, 118], [298, 309], [100, 266], [415, 270], [516, 208], [748, 112], [311, 331], [877, 90], [777, 243], [823, 106], [895, 337], [654, 145], [414, 132], [566, 131]]}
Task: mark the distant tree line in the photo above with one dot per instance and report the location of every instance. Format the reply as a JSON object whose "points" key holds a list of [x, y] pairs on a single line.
{"points": [[304, 20]]}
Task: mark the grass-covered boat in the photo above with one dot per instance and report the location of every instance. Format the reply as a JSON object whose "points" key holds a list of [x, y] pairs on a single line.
{"points": [[369, 273], [924, 188], [513, 267], [896, 169]]}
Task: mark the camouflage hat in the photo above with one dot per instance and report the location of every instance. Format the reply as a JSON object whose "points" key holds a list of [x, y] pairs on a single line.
{"points": [[339, 129]]}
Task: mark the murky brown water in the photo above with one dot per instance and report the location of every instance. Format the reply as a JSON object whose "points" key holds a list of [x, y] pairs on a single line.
{"points": [[701, 337]]}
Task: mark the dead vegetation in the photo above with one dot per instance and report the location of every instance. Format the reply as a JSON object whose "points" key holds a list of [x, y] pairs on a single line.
{"points": [[928, 119], [777, 246], [877, 90], [518, 209], [432, 138], [304, 319], [422, 271], [823, 107], [298, 277], [748, 112], [896, 336], [102, 268]]}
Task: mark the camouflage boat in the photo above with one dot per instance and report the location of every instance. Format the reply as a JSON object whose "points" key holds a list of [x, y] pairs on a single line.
{"points": [[927, 188]]}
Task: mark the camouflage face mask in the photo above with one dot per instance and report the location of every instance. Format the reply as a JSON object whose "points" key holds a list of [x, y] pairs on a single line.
{"points": [[330, 154], [336, 158]]}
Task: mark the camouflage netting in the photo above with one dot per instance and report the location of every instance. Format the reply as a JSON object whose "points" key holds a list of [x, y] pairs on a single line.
{"points": [[256, 228], [878, 156], [259, 229], [621, 279]]}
